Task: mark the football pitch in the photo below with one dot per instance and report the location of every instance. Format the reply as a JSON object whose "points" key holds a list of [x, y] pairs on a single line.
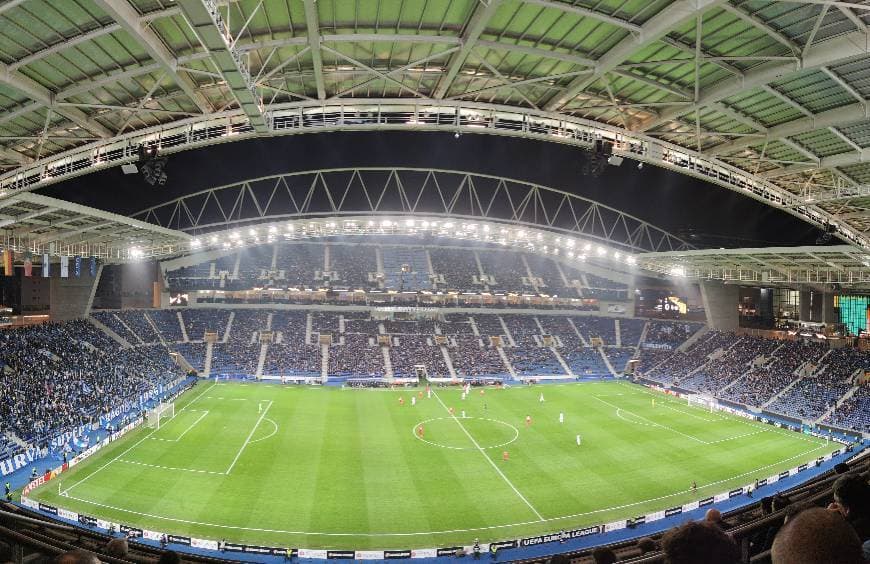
{"points": [[345, 468]]}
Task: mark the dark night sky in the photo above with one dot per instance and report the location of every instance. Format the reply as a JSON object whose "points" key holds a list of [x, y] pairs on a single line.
{"points": [[704, 214]]}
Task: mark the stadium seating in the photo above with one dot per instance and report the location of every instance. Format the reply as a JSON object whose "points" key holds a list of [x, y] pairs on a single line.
{"points": [[586, 362], [508, 270], [110, 320], [414, 278], [601, 327], [853, 413], [630, 331], [722, 371], [194, 353], [59, 376], [198, 322], [167, 324], [618, 357], [409, 351], [299, 264], [669, 334], [353, 263], [471, 358], [358, 355], [458, 268], [137, 322]]}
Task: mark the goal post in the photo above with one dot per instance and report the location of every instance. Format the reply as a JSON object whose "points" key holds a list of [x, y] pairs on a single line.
{"points": [[156, 415], [703, 401]]}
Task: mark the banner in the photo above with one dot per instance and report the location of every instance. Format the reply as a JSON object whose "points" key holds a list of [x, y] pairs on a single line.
{"points": [[93, 266], [64, 266], [28, 264], [46, 266], [8, 262], [78, 267]]}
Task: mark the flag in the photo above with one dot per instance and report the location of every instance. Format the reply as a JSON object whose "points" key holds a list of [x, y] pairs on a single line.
{"points": [[64, 267], [78, 267], [28, 264], [93, 266], [8, 262], [46, 266]]}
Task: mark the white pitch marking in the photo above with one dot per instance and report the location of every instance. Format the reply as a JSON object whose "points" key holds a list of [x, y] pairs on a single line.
{"points": [[653, 423], [737, 437], [269, 436], [169, 467], [443, 532], [137, 443], [248, 440], [488, 459]]}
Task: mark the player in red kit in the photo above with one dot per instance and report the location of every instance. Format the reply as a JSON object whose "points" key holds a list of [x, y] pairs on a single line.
{"points": [[420, 431], [505, 455]]}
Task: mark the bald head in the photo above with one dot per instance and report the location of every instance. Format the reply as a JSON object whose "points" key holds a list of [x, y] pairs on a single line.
{"points": [[714, 516], [817, 536], [77, 557]]}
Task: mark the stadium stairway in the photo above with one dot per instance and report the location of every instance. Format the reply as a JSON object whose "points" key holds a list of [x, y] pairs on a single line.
{"points": [[388, 364], [607, 361], [15, 439], [507, 332], [115, 337], [618, 331], [261, 360], [206, 366], [507, 362], [448, 361], [643, 333], [694, 338], [324, 360], [155, 328], [562, 362], [130, 329], [229, 328], [845, 397], [183, 328], [782, 392], [579, 334]]}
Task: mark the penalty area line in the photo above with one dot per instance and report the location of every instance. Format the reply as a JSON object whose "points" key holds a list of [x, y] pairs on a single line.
{"points": [[488, 459], [137, 443]]}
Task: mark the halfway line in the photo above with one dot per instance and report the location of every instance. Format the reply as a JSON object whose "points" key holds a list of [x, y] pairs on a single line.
{"points": [[488, 459]]}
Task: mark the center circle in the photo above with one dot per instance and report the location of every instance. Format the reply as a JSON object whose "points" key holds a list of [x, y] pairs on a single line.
{"points": [[446, 432]]}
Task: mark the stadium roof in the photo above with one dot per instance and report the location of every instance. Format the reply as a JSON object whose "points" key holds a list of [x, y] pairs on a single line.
{"points": [[769, 99]]}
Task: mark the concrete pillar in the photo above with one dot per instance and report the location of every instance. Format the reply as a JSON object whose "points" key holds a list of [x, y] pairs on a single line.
{"points": [[805, 299], [829, 314], [720, 304]]}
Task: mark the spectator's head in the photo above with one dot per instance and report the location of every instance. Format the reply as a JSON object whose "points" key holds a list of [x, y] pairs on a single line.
{"points": [[560, 559], [841, 468], [117, 548], [647, 545], [780, 502], [78, 556], [713, 516], [603, 555], [169, 557], [766, 505], [852, 496], [695, 542], [816, 536]]}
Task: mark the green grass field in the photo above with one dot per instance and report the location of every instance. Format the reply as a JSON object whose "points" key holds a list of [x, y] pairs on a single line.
{"points": [[342, 468]]}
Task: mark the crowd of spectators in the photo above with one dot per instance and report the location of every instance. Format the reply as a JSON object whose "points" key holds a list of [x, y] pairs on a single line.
{"points": [[733, 363], [530, 360], [458, 268], [762, 383], [411, 350], [353, 263], [62, 375], [545, 269], [592, 326], [456, 324], [193, 353], [585, 362], [137, 322], [853, 413], [110, 320], [471, 358], [167, 324], [290, 354], [358, 355], [619, 357], [508, 270], [405, 269], [678, 365], [198, 322], [630, 331], [669, 334], [559, 326], [299, 263]]}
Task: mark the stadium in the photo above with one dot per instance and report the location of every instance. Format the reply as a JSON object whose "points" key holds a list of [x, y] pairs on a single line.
{"points": [[433, 280]]}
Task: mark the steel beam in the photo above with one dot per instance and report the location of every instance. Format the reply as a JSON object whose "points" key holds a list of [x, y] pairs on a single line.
{"points": [[45, 97], [843, 48], [214, 34], [671, 17], [475, 26], [312, 22], [129, 19]]}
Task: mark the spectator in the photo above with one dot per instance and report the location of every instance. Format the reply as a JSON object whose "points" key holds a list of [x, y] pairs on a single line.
{"points": [[852, 501], [714, 517], [117, 548], [77, 556], [603, 555], [816, 536], [647, 545], [169, 557], [698, 543]]}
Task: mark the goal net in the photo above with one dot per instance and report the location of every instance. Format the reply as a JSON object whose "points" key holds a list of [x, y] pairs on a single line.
{"points": [[159, 413], [703, 401]]}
